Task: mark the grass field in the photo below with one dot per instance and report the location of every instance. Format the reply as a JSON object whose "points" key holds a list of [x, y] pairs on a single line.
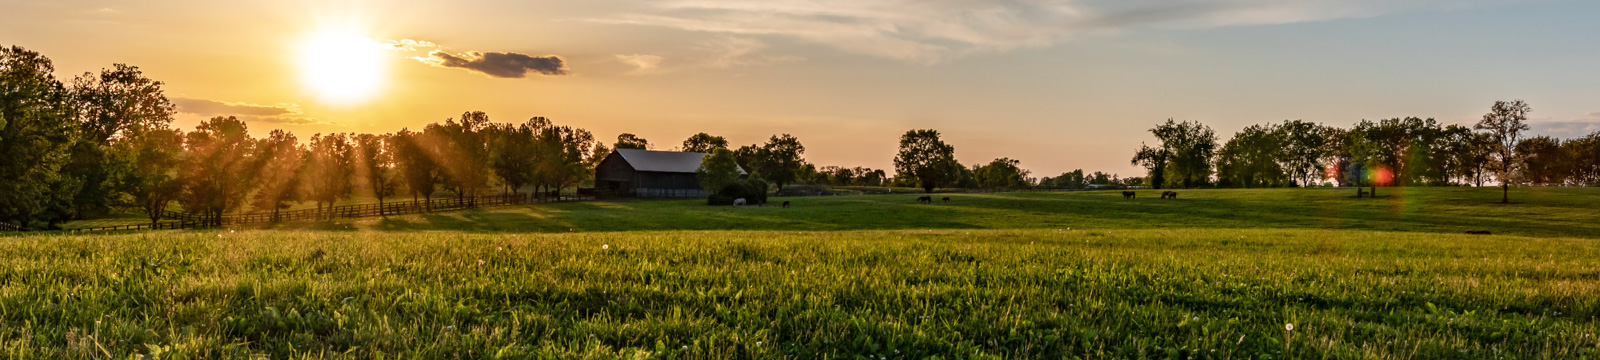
{"points": [[1218, 274]]}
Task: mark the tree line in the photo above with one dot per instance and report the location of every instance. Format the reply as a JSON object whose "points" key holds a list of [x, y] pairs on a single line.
{"points": [[1407, 151], [76, 150]]}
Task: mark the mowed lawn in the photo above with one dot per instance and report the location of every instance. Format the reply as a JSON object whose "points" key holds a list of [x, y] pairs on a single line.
{"points": [[1217, 274]]}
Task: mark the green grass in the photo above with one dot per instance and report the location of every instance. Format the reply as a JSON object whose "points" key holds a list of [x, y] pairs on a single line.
{"points": [[1214, 275]]}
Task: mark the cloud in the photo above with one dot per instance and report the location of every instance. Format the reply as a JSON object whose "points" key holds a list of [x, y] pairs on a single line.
{"points": [[288, 120], [642, 63], [935, 30], [498, 64], [1577, 127], [731, 52], [213, 107]]}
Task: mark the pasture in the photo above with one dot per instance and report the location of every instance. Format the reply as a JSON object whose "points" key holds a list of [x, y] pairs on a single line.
{"points": [[1215, 274]]}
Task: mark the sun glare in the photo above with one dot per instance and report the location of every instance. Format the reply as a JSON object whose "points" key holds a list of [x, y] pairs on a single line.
{"points": [[342, 67]]}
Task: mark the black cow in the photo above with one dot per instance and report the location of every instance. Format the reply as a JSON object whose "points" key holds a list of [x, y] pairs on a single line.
{"points": [[1129, 195], [1169, 194], [947, 199], [925, 200], [786, 204]]}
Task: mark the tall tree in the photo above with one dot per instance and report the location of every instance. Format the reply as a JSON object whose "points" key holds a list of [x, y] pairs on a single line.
{"points": [[279, 159], [780, 160], [417, 167], [1255, 158], [718, 170], [565, 154], [464, 152], [1505, 123], [1002, 172], [1305, 147], [927, 160], [374, 167], [1543, 161], [219, 170], [35, 130], [151, 181], [109, 105], [704, 143], [1585, 155], [631, 141], [512, 154], [328, 170]]}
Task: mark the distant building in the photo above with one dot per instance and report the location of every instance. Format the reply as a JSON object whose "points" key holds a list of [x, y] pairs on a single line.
{"points": [[646, 173]]}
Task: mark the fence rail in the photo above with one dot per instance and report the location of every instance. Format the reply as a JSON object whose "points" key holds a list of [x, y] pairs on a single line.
{"points": [[195, 221]]}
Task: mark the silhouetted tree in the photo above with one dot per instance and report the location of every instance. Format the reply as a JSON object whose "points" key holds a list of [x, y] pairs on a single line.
{"points": [[35, 130], [1543, 161], [631, 141], [374, 166], [219, 170], [418, 170], [704, 143], [926, 160], [151, 180], [1002, 172], [780, 160], [718, 170], [279, 159], [328, 170], [1505, 123]]}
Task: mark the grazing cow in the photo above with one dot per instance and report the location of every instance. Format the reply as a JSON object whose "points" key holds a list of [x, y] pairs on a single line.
{"points": [[1169, 194], [1478, 232], [947, 199], [1129, 195], [786, 204], [925, 200], [738, 202]]}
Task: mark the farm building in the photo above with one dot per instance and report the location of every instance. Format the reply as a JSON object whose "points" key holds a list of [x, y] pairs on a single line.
{"points": [[646, 173]]}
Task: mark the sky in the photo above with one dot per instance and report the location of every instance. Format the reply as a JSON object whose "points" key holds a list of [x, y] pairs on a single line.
{"points": [[1056, 84]]}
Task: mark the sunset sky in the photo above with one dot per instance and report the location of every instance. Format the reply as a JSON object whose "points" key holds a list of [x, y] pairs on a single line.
{"points": [[1056, 84]]}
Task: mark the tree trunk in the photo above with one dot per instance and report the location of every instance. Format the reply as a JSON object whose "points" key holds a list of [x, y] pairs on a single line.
{"points": [[1505, 193]]}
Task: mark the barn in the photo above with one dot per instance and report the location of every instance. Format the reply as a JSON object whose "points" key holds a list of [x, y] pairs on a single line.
{"points": [[646, 173]]}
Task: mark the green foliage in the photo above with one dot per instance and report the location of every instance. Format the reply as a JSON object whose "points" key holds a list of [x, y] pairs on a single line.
{"points": [[1504, 124], [35, 137], [926, 159], [704, 143], [218, 171], [753, 190], [281, 172], [1002, 172], [1068, 180], [718, 170], [151, 179], [329, 166], [631, 141]]}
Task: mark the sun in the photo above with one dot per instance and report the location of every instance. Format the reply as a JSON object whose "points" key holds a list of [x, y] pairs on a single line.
{"points": [[342, 67]]}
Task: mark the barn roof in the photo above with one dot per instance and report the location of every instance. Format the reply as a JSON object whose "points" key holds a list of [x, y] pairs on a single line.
{"points": [[663, 161]]}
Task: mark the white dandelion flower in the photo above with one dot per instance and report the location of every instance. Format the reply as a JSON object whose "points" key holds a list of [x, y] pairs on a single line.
{"points": [[1288, 327], [605, 246]]}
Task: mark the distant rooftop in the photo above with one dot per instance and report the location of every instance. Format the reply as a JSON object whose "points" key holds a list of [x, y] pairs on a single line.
{"points": [[663, 161]]}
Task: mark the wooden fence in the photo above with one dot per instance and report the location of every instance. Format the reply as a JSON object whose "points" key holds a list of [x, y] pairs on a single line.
{"points": [[194, 221]]}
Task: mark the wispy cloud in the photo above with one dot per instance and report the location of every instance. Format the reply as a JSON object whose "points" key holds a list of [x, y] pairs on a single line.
{"points": [[729, 52], [1577, 127], [642, 63], [213, 107], [934, 30]]}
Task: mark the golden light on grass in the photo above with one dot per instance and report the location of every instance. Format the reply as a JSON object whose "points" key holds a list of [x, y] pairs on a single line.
{"points": [[342, 66]]}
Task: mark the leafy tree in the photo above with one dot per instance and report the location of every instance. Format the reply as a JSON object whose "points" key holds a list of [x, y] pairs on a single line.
{"points": [[1305, 148], [465, 156], [1543, 161], [413, 156], [1505, 123], [108, 105], [1585, 159], [704, 143], [328, 169], [374, 166], [718, 170], [513, 154], [926, 160], [631, 141], [34, 136], [279, 159], [565, 155], [779, 160], [219, 170], [1255, 158], [152, 177], [1184, 157], [1002, 172]]}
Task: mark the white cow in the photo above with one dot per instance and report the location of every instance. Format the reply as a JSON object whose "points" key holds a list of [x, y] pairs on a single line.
{"points": [[738, 202]]}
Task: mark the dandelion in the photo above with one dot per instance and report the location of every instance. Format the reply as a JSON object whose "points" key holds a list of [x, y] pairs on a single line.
{"points": [[605, 246], [1288, 327]]}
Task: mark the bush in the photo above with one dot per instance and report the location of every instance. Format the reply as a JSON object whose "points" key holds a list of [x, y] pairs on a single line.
{"points": [[753, 191]]}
